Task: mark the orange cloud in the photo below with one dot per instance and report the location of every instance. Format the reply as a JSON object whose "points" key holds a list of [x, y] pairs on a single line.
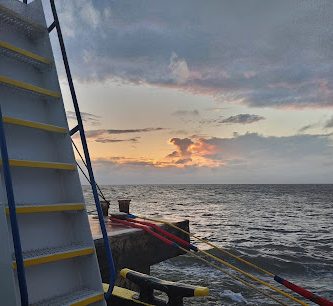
{"points": [[188, 152], [194, 152], [202, 148]]}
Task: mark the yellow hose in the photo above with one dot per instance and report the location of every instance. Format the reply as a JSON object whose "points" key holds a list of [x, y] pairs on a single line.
{"points": [[230, 265]]}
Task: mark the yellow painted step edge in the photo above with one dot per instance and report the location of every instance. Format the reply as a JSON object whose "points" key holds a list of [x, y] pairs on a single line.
{"points": [[55, 257], [29, 87], [37, 26], [35, 125], [89, 300], [37, 164], [31, 209], [25, 53]]}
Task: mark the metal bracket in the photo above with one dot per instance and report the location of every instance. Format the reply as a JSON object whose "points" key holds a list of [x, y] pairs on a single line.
{"points": [[51, 27], [74, 130]]}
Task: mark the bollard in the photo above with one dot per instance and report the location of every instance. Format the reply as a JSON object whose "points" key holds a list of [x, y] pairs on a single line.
{"points": [[105, 207], [124, 205]]}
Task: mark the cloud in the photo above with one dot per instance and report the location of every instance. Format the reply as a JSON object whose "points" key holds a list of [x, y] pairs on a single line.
{"points": [[306, 127], [182, 145], [329, 123], [236, 119], [247, 158], [145, 130], [101, 132], [259, 53], [86, 117], [179, 69], [322, 125], [186, 113], [109, 140], [243, 119], [124, 161], [191, 152]]}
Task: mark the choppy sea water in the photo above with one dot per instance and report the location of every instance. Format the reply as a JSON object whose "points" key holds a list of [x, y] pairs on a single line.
{"points": [[287, 229]]}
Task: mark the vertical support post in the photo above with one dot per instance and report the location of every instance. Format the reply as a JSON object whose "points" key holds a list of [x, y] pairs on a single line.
{"points": [[12, 214], [86, 153]]}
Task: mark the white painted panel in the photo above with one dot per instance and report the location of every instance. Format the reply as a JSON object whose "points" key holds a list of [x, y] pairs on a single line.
{"points": [[42, 186], [59, 229], [21, 104], [32, 144], [52, 279]]}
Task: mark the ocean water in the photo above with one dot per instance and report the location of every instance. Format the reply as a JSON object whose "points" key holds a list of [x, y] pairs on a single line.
{"points": [[287, 229]]}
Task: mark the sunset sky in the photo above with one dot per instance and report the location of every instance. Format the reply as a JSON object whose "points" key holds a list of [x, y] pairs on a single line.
{"points": [[203, 91]]}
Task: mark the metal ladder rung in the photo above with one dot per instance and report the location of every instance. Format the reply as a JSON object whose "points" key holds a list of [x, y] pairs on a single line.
{"points": [[38, 164], [34, 208], [29, 26], [81, 297], [29, 87], [44, 256], [35, 125], [24, 54]]}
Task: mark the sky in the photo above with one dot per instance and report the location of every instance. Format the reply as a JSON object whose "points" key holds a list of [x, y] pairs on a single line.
{"points": [[202, 91]]}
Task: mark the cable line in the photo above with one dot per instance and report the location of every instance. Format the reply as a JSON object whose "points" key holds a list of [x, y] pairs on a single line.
{"points": [[83, 161], [254, 278], [295, 288], [171, 243]]}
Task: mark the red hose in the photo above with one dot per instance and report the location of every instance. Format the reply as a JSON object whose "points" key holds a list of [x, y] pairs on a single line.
{"points": [[164, 232], [303, 292], [146, 229]]}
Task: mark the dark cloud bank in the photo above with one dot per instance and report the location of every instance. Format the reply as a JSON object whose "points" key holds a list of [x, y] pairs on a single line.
{"points": [[260, 53]]}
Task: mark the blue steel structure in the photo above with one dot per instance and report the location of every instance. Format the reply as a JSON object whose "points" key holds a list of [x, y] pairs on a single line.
{"points": [[79, 128], [9, 186]]}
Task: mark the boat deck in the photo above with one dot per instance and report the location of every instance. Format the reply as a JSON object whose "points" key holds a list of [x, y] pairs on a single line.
{"points": [[133, 248]]}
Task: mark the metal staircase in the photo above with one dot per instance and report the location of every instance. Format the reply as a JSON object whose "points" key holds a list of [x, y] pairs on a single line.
{"points": [[47, 254]]}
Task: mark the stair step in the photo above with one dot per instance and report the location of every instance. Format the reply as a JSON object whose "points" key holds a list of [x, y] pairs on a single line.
{"points": [[23, 55], [38, 164], [80, 297], [35, 125], [34, 208], [29, 87], [43, 256], [30, 27]]}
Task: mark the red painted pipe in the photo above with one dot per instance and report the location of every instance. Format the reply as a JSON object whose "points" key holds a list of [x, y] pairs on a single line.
{"points": [[146, 229], [303, 292], [164, 232]]}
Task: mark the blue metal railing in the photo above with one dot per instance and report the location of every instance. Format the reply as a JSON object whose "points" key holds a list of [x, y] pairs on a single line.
{"points": [[12, 214], [79, 128]]}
